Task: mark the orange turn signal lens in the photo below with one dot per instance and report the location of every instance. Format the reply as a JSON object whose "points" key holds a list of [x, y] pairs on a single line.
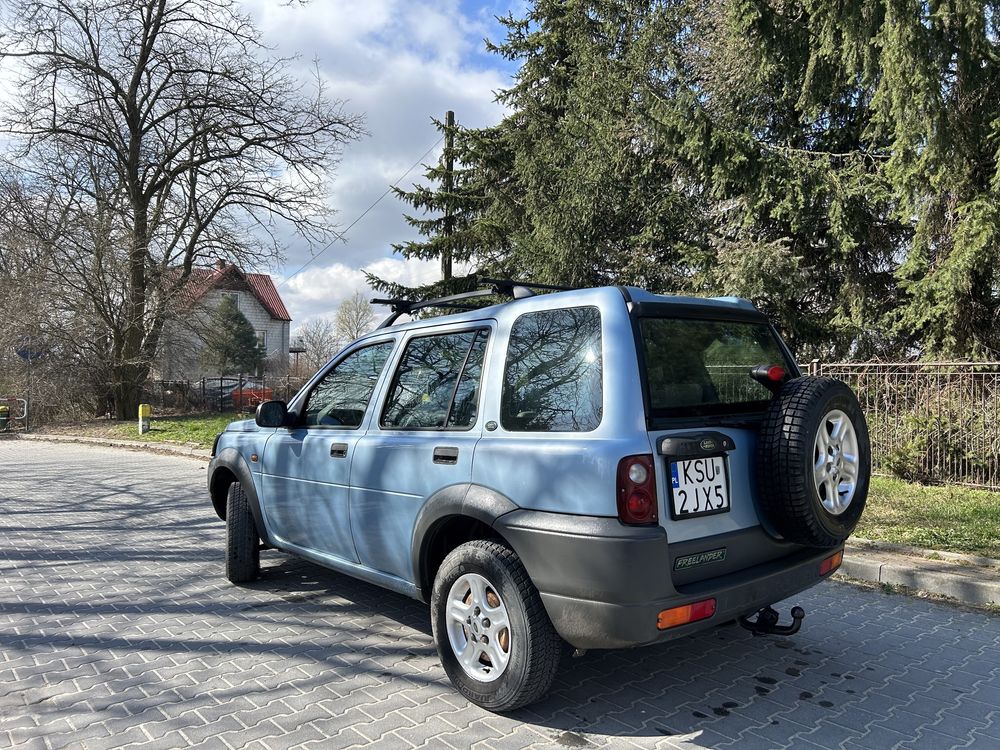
{"points": [[831, 563], [671, 618]]}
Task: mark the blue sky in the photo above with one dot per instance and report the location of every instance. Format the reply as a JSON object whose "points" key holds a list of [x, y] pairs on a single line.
{"points": [[399, 62]]}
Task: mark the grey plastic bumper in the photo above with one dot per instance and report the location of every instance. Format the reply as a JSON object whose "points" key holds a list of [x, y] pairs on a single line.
{"points": [[603, 584]]}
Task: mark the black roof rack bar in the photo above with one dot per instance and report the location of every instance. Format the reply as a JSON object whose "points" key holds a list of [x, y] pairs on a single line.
{"points": [[453, 301], [504, 287]]}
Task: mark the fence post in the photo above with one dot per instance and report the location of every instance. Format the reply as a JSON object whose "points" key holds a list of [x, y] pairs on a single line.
{"points": [[220, 395], [815, 368]]}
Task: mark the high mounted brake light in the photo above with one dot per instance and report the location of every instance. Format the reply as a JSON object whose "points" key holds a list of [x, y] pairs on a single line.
{"points": [[771, 377], [637, 491]]}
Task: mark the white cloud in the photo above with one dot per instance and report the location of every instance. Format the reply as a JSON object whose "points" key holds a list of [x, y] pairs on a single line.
{"points": [[317, 292]]}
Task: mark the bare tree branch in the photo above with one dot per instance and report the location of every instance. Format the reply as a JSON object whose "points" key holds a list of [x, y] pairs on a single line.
{"points": [[151, 136]]}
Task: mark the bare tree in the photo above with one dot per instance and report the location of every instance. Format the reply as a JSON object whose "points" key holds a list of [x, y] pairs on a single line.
{"points": [[319, 337], [153, 135], [354, 317]]}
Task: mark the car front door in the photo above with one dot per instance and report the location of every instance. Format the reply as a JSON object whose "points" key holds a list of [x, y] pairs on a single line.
{"points": [[307, 467], [421, 441]]}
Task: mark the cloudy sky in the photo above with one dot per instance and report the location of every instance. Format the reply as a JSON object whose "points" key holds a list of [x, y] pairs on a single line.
{"points": [[399, 62]]}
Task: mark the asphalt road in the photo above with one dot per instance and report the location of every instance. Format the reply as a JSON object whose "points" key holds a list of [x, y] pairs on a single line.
{"points": [[117, 628]]}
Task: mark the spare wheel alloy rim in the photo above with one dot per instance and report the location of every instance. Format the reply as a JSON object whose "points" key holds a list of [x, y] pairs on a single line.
{"points": [[478, 628], [836, 462]]}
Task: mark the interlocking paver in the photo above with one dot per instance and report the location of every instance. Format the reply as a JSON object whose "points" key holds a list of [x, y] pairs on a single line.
{"points": [[118, 629]]}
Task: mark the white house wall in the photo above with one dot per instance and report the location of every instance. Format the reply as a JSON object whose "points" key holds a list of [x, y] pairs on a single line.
{"points": [[181, 345]]}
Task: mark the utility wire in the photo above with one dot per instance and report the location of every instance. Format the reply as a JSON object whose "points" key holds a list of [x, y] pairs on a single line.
{"points": [[342, 235]]}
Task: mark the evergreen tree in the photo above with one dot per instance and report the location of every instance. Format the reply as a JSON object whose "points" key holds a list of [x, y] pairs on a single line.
{"points": [[231, 343], [451, 221], [601, 199], [836, 163], [899, 106]]}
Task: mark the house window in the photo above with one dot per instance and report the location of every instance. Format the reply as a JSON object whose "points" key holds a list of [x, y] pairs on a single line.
{"points": [[234, 296], [262, 340]]}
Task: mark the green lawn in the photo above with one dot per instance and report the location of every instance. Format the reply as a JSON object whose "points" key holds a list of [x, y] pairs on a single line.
{"points": [[197, 429], [950, 518], [200, 429]]}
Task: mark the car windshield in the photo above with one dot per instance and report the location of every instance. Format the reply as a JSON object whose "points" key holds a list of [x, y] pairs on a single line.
{"points": [[695, 367]]}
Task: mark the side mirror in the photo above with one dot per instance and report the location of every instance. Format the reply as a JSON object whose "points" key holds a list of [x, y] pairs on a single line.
{"points": [[272, 414]]}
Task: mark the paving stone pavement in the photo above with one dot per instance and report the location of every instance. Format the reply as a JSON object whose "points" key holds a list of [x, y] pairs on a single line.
{"points": [[118, 629]]}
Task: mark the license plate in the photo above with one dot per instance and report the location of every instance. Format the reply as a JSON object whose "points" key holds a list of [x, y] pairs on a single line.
{"points": [[700, 487]]}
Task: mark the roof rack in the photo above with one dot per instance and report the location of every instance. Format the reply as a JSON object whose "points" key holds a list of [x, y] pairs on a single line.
{"points": [[498, 287]]}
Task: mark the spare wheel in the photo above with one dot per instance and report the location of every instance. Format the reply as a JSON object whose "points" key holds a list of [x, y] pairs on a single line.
{"points": [[813, 462]]}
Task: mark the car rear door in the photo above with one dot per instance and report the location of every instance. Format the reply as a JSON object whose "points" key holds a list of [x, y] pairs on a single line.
{"points": [[704, 410], [421, 441], [307, 467]]}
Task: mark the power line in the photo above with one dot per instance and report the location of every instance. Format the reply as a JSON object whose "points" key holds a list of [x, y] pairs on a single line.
{"points": [[342, 235]]}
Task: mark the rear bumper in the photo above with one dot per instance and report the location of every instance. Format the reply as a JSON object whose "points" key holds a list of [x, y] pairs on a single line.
{"points": [[603, 584]]}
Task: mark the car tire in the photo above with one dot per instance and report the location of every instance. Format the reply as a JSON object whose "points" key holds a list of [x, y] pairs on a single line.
{"points": [[527, 659], [242, 542], [813, 462]]}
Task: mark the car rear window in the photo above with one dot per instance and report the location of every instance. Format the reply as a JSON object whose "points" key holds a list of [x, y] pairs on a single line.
{"points": [[698, 367]]}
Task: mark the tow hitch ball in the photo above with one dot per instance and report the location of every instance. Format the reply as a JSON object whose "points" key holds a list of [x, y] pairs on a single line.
{"points": [[767, 622]]}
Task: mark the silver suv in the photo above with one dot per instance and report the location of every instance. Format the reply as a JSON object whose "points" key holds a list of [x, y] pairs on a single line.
{"points": [[603, 468]]}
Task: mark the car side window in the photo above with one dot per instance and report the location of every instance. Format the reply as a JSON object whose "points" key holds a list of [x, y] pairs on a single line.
{"points": [[341, 398], [553, 378], [437, 382], [465, 407]]}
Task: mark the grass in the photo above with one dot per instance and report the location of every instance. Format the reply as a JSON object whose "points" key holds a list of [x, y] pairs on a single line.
{"points": [[189, 429], [945, 517]]}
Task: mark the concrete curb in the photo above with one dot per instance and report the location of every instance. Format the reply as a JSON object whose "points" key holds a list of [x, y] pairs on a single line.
{"points": [[869, 545], [941, 573], [172, 449]]}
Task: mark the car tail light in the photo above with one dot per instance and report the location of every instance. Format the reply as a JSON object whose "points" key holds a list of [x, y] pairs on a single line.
{"points": [[671, 618], [831, 563], [637, 491]]}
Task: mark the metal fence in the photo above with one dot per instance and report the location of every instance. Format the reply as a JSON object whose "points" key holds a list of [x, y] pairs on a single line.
{"points": [[929, 421], [222, 394]]}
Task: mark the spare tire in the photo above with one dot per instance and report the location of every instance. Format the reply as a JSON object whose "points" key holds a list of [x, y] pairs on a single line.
{"points": [[813, 462]]}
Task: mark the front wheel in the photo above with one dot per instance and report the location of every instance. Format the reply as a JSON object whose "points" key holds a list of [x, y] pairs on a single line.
{"points": [[242, 542], [494, 638]]}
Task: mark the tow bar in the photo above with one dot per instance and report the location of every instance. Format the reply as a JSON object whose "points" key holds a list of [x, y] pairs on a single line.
{"points": [[767, 622]]}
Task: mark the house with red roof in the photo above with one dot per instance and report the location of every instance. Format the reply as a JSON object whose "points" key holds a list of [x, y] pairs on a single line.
{"points": [[255, 296]]}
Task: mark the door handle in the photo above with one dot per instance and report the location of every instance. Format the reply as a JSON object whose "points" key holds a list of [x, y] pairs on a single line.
{"points": [[338, 450], [444, 455]]}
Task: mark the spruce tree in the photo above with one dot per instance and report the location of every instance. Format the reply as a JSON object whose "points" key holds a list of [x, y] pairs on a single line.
{"points": [[231, 345], [448, 221], [902, 101]]}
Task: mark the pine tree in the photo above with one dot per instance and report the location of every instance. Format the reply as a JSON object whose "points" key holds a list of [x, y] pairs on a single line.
{"points": [[231, 344], [449, 219], [836, 163], [903, 102], [601, 199]]}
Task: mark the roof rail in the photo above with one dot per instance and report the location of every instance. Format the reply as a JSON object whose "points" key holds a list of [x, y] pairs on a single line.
{"points": [[498, 287], [510, 287]]}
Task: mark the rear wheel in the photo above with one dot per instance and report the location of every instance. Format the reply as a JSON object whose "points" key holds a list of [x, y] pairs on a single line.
{"points": [[494, 638], [242, 542], [814, 462]]}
